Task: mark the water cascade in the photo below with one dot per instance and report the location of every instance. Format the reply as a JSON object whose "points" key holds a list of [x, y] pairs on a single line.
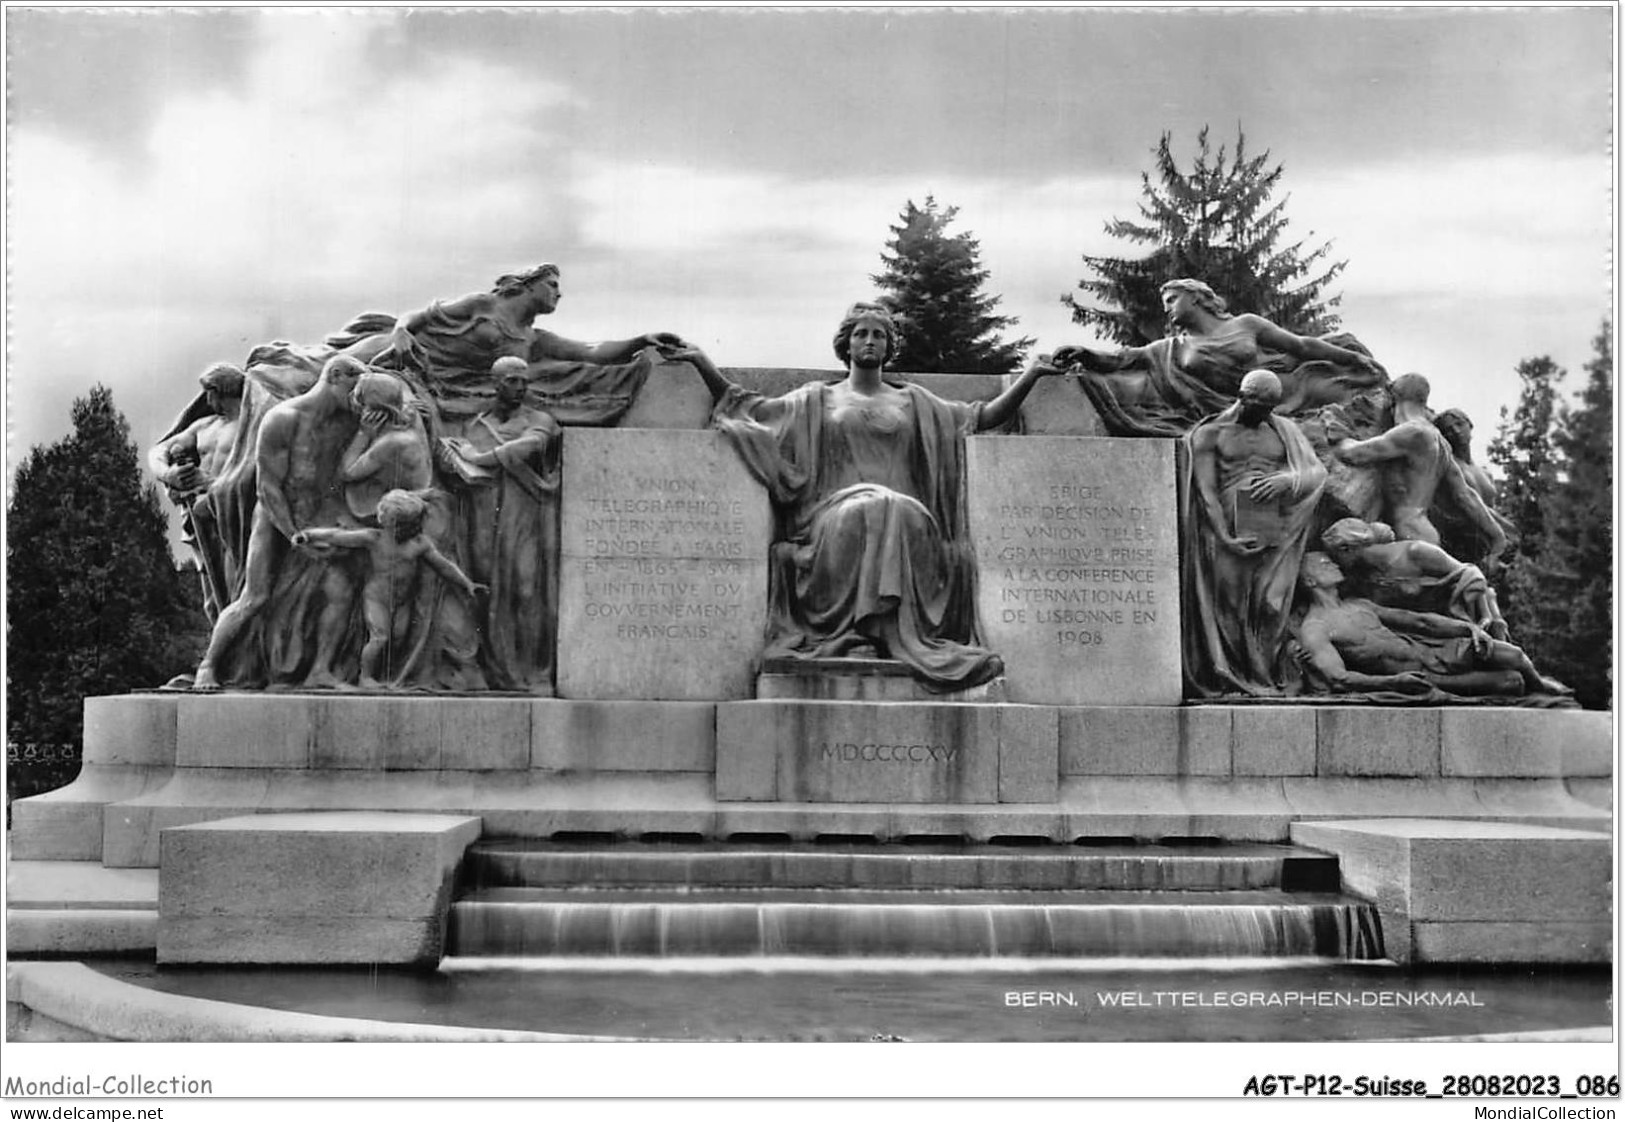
{"points": [[718, 901]]}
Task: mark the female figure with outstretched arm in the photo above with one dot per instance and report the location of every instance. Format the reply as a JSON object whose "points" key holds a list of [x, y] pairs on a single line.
{"points": [[874, 557], [1165, 387]]}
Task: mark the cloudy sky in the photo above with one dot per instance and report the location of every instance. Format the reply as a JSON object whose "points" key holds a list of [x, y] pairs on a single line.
{"points": [[185, 185]]}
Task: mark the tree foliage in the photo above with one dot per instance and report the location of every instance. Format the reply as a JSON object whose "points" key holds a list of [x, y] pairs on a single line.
{"points": [[94, 600], [1557, 464], [1215, 223], [933, 282]]}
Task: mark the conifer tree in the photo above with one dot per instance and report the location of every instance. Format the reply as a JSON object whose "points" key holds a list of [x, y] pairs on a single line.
{"points": [[933, 282], [1214, 223], [1558, 459], [94, 601], [1522, 450]]}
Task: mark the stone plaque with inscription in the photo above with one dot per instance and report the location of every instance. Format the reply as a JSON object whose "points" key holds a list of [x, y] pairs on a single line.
{"points": [[1077, 556], [663, 574]]}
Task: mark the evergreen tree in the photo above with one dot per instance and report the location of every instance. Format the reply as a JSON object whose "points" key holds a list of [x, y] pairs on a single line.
{"points": [[933, 283], [1558, 458], [96, 605], [1523, 451], [1577, 556], [1214, 223]]}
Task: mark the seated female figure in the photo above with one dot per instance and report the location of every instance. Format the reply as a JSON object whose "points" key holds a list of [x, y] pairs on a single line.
{"points": [[873, 554]]}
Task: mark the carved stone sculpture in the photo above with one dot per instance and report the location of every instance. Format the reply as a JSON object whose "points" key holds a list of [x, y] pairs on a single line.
{"points": [[413, 405], [1459, 534], [297, 463], [1412, 574], [1357, 646], [188, 461], [873, 556], [452, 345], [505, 470], [395, 549], [1249, 508], [1416, 466], [1166, 387]]}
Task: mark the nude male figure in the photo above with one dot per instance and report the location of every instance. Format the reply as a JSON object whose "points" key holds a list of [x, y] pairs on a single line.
{"points": [[1415, 463], [296, 461], [1359, 645]]}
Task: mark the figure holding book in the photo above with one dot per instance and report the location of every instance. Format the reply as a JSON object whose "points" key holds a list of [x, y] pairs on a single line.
{"points": [[508, 464], [1254, 482]]}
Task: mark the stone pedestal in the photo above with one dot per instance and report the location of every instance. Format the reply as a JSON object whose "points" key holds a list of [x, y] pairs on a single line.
{"points": [[128, 750], [1477, 892], [899, 752], [310, 888], [1077, 553], [857, 679], [663, 573]]}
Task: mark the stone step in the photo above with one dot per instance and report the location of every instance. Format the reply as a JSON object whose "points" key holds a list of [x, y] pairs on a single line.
{"points": [[857, 923], [496, 864]]}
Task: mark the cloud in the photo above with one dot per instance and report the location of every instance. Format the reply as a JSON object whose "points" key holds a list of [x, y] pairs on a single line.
{"points": [[326, 182]]}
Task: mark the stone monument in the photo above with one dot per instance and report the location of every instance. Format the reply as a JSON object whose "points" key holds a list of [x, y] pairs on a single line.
{"points": [[472, 578]]}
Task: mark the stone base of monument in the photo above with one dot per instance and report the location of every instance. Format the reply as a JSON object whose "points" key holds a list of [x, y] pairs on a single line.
{"points": [[310, 888], [857, 679], [129, 750], [536, 768], [1477, 892], [897, 752], [57, 908]]}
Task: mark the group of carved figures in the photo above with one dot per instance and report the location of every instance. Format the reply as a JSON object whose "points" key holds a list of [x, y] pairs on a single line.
{"points": [[382, 511]]}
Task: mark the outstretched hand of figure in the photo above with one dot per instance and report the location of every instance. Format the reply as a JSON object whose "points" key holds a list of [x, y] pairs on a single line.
{"points": [[665, 342], [1067, 358]]}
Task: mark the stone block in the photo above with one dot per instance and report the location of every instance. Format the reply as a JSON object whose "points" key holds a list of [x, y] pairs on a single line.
{"points": [[1029, 754], [245, 730], [80, 931], [1077, 554], [130, 829], [1524, 743], [673, 397], [1153, 740], [1154, 808], [1058, 407], [1479, 943], [1377, 742], [832, 751], [485, 733], [663, 568], [358, 887], [1272, 740], [1450, 871], [1317, 797], [747, 753], [133, 729], [67, 824], [623, 735], [956, 387]]}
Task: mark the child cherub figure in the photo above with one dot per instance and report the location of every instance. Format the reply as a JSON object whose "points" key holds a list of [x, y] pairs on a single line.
{"points": [[394, 549]]}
